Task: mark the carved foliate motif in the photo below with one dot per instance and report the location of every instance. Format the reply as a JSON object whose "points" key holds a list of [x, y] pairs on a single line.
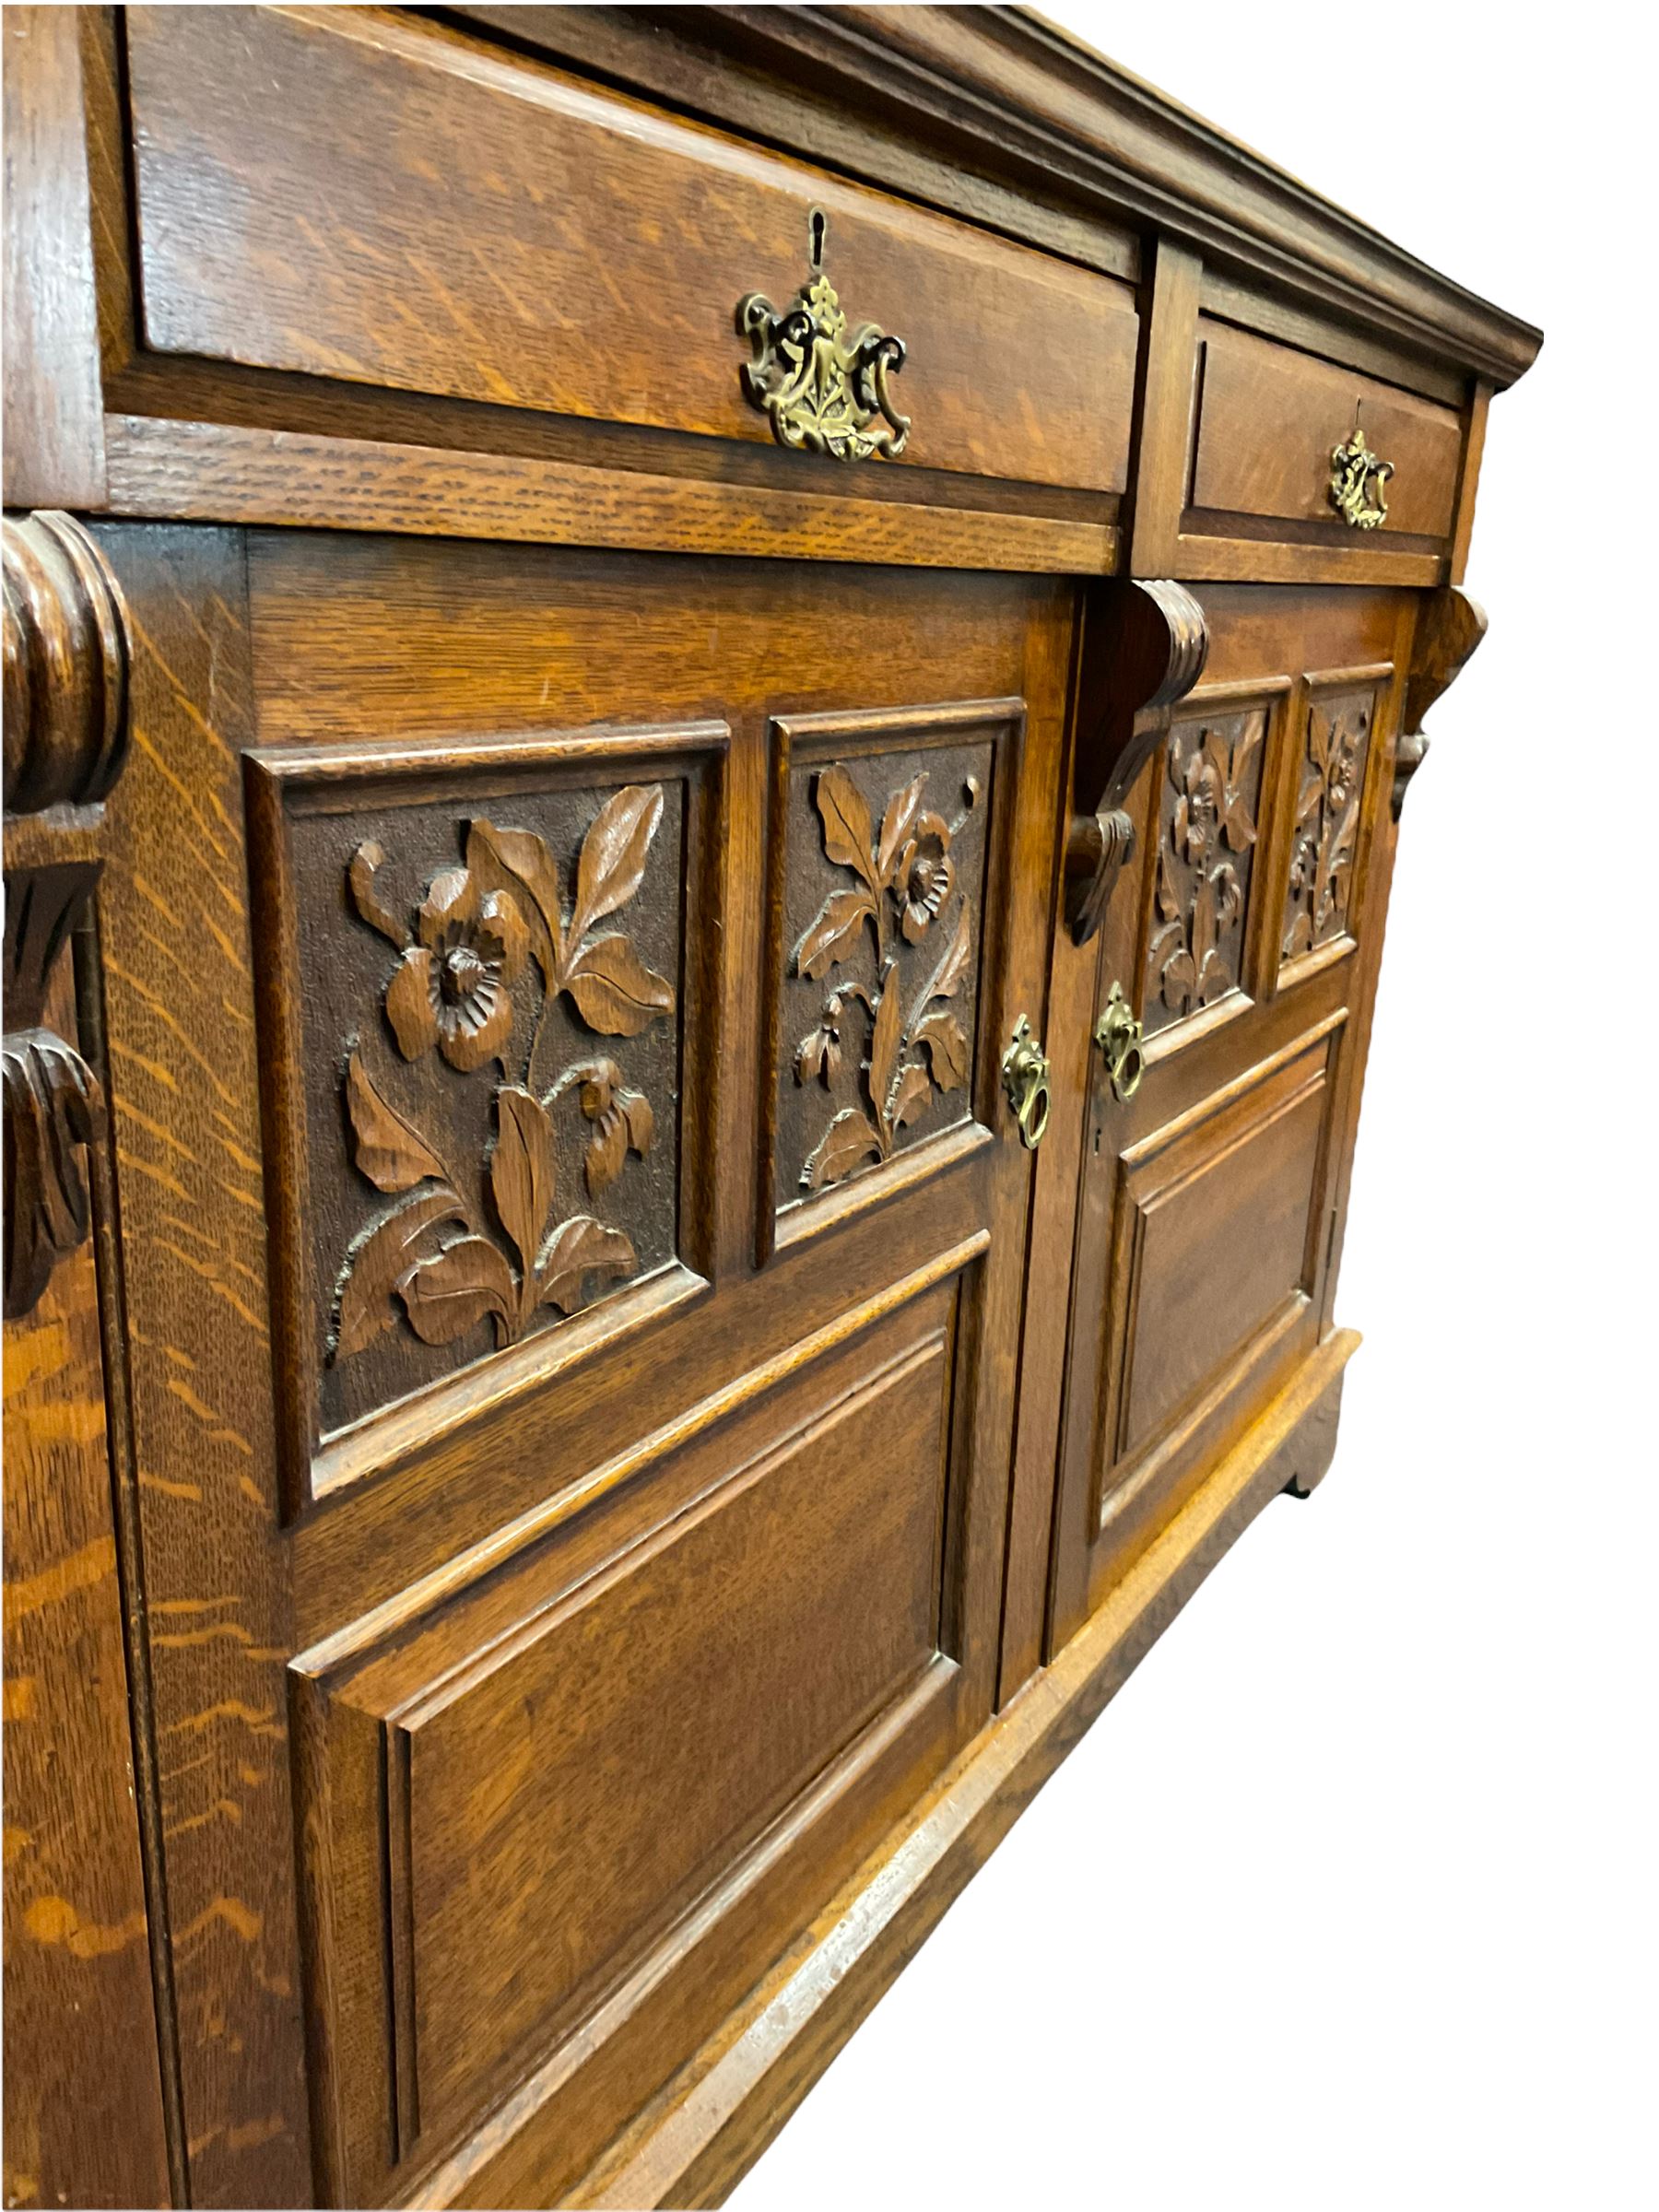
{"points": [[1210, 795], [1326, 828], [893, 948], [523, 1162]]}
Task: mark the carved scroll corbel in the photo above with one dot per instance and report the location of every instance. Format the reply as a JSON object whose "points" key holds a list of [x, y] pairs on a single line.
{"points": [[1450, 625], [1144, 648], [65, 739]]}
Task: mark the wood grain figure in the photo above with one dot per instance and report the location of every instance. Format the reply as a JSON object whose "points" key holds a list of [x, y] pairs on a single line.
{"points": [[705, 719]]}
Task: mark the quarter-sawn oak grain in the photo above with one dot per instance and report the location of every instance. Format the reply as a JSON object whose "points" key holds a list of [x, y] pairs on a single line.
{"points": [[568, 1472]]}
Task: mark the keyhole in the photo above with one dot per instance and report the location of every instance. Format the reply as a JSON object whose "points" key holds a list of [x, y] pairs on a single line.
{"points": [[817, 226]]}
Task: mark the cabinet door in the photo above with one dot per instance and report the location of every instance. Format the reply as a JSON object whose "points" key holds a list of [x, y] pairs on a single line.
{"points": [[575, 1226], [1246, 942]]}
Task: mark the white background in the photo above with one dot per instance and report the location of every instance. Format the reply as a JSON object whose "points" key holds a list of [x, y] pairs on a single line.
{"points": [[1348, 1900]]}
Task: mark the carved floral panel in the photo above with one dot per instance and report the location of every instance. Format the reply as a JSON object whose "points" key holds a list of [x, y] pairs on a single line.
{"points": [[1209, 800], [490, 1016], [883, 899], [1325, 829]]}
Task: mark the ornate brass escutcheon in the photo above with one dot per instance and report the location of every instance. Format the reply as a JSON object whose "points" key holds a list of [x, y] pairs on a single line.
{"points": [[1025, 1073], [1357, 476], [1118, 1034], [822, 387]]}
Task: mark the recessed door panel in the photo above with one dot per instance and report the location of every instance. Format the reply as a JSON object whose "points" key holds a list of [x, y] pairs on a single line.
{"points": [[1207, 1196], [643, 1474]]}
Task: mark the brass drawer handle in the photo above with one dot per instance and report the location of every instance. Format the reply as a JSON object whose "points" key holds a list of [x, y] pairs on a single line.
{"points": [[1025, 1073], [821, 387], [1357, 476], [1118, 1034]]}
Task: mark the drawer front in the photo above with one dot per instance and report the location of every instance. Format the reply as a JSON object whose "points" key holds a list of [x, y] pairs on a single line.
{"points": [[1268, 418], [340, 193]]}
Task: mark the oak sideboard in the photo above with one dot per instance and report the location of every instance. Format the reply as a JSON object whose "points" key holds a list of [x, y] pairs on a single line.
{"points": [[706, 712]]}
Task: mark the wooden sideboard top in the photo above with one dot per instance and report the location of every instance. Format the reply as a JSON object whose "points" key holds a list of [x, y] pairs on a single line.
{"points": [[912, 96], [239, 290]]}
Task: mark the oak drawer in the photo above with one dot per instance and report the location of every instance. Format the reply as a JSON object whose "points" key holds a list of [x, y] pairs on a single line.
{"points": [[1267, 418], [340, 193]]}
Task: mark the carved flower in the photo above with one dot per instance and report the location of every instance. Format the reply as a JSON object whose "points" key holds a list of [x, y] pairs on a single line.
{"points": [[925, 875], [453, 988], [1198, 810]]}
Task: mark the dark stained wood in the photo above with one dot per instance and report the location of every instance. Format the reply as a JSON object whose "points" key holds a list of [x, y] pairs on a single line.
{"points": [[1226, 298], [462, 1520], [1206, 1202], [572, 1471], [1267, 420], [1005, 94], [54, 426], [400, 157], [1166, 390], [1468, 479]]}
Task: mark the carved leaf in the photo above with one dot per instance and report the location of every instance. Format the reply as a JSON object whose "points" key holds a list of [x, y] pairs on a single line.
{"points": [[884, 1047], [449, 1293], [626, 1125], [941, 1036], [1230, 900], [896, 826], [1301, 936], [1319, 743], [606, 1150], [640, 1120], [1308, 799], [946, 978], [1204, 922], [1179, 979], [911, 1094], [1333, 894], [835, 933], [846, 818], [364, 897], [388, 1150], [518, 862], [614, 990], [1169, 895], [579, 1248], [521, 1169], [850, 1139], [613, 855], [1237, 826], [374, 1264], [817, 1055]]}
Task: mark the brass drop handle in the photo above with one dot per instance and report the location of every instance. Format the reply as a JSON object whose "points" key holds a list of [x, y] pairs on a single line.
{"points": [[1357, 476], [1025, 1073], [822, 386], [1118, 1034]]}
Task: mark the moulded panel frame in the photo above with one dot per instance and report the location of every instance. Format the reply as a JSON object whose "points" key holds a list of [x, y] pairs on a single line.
{"points": [[283, 780]]}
